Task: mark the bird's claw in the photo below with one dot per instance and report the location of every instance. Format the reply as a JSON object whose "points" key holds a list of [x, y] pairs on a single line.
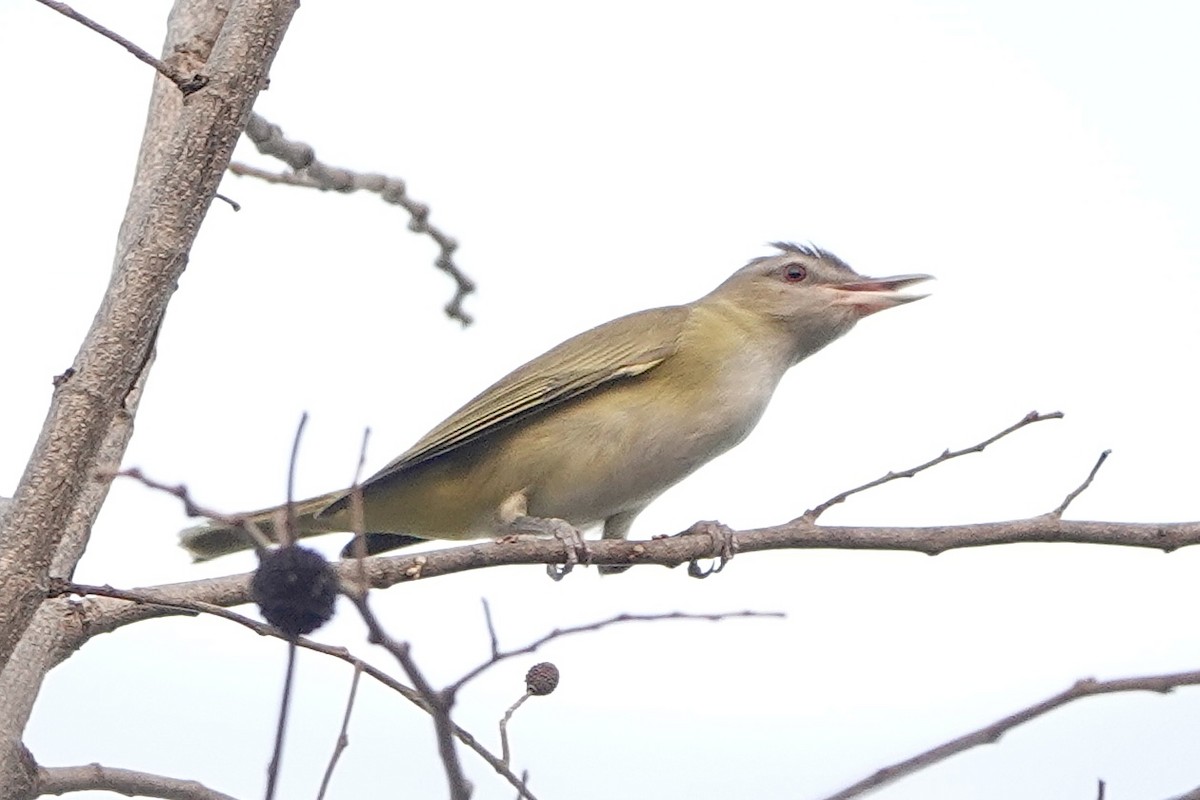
{"points": [[576, 549], [723, 542]]}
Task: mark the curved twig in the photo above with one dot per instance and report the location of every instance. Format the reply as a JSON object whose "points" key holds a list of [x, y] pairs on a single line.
{"points": [[992, 733], [812, 514], [310, 172]]}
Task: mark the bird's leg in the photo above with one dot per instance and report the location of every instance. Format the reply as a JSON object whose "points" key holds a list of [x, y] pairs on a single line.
{"points": [[576, 548], [514, 516], [724, 546], [617, 527]]}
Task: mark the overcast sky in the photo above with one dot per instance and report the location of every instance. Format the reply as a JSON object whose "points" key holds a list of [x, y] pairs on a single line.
{"points": [[1039, 158]]}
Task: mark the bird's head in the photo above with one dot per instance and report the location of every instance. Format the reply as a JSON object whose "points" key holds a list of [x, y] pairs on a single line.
{"points": [[811, 293]]}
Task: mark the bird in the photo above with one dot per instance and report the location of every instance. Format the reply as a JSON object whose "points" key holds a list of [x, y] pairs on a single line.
{"points": [[593, 430]]}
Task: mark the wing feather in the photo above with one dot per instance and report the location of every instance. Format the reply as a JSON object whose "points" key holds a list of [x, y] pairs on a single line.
{"points": [[619, 349]]}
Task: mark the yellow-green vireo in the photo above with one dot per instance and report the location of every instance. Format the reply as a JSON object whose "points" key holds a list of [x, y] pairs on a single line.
{"points": [[595, 429]]}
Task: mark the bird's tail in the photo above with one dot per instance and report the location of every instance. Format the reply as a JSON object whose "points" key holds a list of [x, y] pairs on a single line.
{"points": [[215, 539]]}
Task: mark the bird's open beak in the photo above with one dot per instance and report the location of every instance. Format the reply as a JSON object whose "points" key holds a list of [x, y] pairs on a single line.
{"points": [[869, 295]]}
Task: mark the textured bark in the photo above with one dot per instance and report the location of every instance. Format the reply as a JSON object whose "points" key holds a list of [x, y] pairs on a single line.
{"points": [[64, 780], [185, 151], [105, 614]]}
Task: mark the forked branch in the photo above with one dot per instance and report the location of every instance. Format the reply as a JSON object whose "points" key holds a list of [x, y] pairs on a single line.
{"points": [[992, 733], [813, 514]]}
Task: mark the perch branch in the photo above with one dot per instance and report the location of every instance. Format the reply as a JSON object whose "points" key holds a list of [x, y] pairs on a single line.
{"points": [[388, 570]]}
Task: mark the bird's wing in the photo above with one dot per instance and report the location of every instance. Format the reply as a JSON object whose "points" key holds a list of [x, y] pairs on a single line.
{"points": [[619, 349]]}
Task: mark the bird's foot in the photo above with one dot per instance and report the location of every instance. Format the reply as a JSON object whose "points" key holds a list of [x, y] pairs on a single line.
{"points": [[724, 546], [576, 548]]}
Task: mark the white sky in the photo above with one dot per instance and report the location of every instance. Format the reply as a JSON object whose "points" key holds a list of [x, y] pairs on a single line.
{"points": [[1038, 158]]}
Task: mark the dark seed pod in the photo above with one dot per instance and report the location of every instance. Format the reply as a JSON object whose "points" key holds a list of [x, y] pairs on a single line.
{"points": [[295, 589], [542, 678]]}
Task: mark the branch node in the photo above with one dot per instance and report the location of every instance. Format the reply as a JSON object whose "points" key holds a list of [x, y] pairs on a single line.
{"points": [[813, 514], [1070, 498], [186, 86]]}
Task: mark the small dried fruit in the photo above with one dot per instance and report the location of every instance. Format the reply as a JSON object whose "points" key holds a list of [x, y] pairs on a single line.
{"points": [[295, 589], [541, 678]]}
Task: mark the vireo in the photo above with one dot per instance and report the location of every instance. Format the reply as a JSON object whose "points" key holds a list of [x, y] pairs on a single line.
{"points": [[592, 431]]}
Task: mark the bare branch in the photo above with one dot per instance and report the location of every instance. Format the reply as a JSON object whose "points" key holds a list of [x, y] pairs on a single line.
{"points": [[357, 516], [505, 751], [493, 640], [156, 602], [186, 85], [63, 780], [184, 154], [389, 570], [814, 513], [343, 740], [557, 633], [1070, 498], [281, 726], [289, 529], [281, 178], [989, 734], [232, 203], [312, 173], [437, 703], [191, 507]]}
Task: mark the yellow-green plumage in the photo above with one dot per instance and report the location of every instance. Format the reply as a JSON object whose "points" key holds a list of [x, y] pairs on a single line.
{"points": [[597, 427]]}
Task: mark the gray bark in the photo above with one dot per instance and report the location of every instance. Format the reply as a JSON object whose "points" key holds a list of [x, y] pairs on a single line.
{"points": [[185, 150]]}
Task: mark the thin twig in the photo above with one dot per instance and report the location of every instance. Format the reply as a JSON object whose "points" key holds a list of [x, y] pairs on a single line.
{"points": [[186, 85], [812, 514], [505, 753], [281, 727], [362, 457], [1058, 512], [991, 733], [289, 528], [313, 173], [149, 598], [438, 702], [232, 203], [191, 507], [358, 522], [487, 617], [343, 740], [267, 176], [498, 656]]}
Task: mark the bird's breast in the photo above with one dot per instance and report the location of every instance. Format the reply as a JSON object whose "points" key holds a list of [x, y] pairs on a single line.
{"points": [[619, 448]]}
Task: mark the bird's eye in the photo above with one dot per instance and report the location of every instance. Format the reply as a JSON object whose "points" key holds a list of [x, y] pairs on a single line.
{"points": [[794, 273]]}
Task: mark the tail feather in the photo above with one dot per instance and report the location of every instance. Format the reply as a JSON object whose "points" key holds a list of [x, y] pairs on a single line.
{"points": [[215, 539]]}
